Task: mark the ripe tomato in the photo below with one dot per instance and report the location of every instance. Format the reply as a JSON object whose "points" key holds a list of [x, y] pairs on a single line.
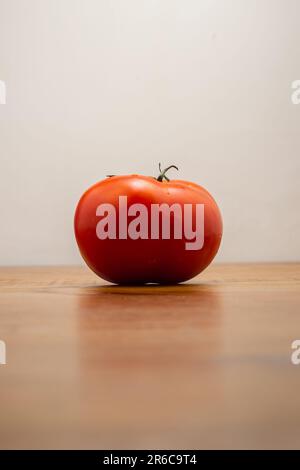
{"points": [[119, 241]]}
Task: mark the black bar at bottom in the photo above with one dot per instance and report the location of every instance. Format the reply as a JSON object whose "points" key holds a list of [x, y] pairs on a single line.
{"points": [[149, 458]]}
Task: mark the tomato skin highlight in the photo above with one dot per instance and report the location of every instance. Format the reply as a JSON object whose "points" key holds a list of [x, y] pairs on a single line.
{"points": [[141, 261]]}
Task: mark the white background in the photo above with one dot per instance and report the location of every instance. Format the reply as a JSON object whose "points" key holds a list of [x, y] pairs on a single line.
{"points": [[97, 87]]}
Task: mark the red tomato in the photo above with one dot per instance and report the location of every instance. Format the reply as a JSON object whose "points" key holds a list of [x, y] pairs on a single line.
{"points": [[128, 250]]}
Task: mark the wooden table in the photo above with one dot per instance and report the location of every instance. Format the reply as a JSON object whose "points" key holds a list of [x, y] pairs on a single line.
{"points": [[201, 365]]}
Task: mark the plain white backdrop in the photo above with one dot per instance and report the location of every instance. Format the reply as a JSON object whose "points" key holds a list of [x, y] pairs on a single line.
{"points": [[96, 87]]}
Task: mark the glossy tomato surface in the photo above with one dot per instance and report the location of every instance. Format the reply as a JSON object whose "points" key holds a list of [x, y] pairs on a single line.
{"points": [[140, 261]]}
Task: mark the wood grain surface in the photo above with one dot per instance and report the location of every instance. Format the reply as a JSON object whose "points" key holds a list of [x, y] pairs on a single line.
{"points": [[206, 364]]}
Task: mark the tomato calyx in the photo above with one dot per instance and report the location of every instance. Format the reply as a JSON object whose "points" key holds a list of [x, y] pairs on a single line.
{"points": [[163, 172]]}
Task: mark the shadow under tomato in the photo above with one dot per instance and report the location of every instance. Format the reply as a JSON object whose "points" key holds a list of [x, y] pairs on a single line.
{"points": [[199, 302]]}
